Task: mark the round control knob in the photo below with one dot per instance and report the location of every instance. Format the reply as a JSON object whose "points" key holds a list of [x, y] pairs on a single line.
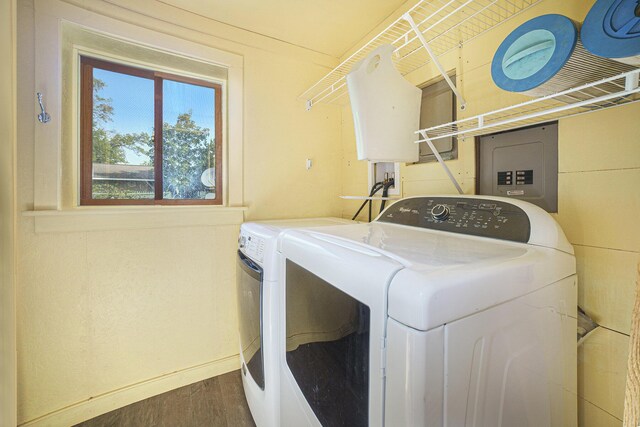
{"points": [[440, 212]]}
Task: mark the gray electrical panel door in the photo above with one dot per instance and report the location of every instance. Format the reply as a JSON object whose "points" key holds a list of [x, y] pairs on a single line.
{"points": [[521, 164], [438, 106]]}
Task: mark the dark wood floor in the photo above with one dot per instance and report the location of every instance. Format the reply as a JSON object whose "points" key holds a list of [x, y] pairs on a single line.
{"points": [[216, 402]]}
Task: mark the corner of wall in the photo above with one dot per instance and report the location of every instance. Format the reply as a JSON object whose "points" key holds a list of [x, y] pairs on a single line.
{"points": [[8, 385]]}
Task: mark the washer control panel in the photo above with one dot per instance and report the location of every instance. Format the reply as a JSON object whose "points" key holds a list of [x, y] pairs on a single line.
{"points": [[476, 217], [251, 245]]}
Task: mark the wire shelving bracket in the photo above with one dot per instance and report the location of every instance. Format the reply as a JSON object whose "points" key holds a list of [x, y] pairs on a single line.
{"points": [[407, 17]]}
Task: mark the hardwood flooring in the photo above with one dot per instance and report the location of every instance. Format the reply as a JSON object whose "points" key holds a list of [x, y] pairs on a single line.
{"points": [[215, 402]]}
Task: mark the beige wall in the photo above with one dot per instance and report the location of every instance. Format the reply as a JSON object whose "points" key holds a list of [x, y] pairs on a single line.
{"points": [[599, 166], [599, 169], [8, 399], [110, 313]]}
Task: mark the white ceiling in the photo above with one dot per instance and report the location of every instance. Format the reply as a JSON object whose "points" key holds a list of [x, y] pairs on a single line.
{"points": [[328, 26]]}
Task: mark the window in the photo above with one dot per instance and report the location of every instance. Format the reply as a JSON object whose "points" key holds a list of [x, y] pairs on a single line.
{"points": [[438, 106], [148, 137]]}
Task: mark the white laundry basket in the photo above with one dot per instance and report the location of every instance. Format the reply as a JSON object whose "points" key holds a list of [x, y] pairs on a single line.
{"points": [[386, 109]]}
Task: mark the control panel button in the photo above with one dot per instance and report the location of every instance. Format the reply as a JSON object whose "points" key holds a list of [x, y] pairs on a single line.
{"points": [[440, 212]]}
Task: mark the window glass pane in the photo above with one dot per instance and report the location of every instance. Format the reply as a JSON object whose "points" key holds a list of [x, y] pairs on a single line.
{"points": [[122, 136], [188, 141]]}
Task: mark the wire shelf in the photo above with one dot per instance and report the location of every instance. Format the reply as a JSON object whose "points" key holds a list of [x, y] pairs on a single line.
{"points": [[445, 24], [613, 91]]}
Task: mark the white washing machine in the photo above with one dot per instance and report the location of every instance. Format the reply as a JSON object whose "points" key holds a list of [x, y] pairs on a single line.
{"points": [[257, 280], [444, 311]]}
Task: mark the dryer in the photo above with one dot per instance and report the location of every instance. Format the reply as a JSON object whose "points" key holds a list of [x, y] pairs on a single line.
{"points": [[257, 280], [444, 311]]}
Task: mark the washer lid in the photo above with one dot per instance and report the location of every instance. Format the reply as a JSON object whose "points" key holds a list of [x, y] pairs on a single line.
{"points": [[421, 249], [534, 53], [437, 277], [357, 269], [612, 29], [426, 298]]}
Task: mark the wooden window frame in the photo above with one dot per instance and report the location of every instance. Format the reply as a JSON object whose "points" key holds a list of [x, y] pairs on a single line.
{"points": [[87, 64]]}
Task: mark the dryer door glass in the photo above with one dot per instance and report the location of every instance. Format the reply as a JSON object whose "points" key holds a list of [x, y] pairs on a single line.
{"points": [[250, 317], [328, 348]]}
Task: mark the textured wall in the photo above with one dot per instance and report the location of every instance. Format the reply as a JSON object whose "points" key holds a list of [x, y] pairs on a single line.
{"points": [[107, 317], [8, 401], [599, 166]]}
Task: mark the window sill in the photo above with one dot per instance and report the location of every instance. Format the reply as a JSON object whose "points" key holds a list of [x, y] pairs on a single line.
{"points": [[126, 218]]}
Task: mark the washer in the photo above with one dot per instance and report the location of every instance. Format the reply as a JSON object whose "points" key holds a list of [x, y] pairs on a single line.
{"points": [[257, 279], [444, 311]]}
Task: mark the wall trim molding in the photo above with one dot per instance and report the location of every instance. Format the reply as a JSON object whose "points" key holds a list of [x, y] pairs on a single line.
{"points": [[106, 402], [119, 218]]}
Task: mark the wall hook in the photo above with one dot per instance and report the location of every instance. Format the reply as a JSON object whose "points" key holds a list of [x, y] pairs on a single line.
{"points": [[43, 117]]}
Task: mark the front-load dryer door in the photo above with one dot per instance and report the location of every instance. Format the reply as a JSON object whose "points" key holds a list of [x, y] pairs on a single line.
{"points": [[334, 321]]}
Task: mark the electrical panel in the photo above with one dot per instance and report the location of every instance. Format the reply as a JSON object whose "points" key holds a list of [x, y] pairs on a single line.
{"points": [[438, 106], [521, 164]]}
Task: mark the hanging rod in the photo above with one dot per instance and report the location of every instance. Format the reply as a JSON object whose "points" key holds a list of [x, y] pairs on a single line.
{"points": [[441, 161]]}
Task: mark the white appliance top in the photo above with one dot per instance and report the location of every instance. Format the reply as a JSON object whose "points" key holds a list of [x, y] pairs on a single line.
{"points": [[508, 248], [257, 238]]}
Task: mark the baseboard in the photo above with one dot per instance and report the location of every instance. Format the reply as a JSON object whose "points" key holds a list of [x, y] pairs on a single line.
{"points": [[119, 398]]}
